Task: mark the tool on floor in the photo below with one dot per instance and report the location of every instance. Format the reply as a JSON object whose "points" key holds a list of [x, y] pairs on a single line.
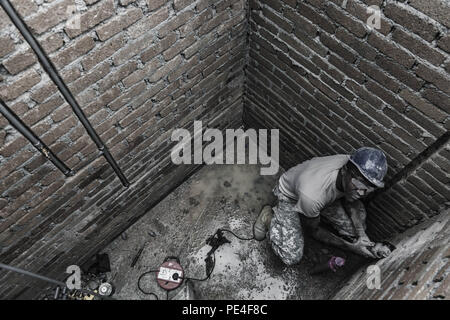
{"points": [[170, 274], [215, 241], [98, 264], [63, 294], [136, 257], [105, 289]]}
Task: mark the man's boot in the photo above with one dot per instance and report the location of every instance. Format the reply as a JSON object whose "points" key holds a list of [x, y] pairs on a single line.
{"points": [[262, 223]]}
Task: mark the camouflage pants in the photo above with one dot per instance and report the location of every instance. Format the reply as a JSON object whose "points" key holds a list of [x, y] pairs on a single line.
{"points": [[286, 234]]}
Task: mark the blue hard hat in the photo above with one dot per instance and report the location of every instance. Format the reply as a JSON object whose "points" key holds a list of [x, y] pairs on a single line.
{"points": [[372, 164]]}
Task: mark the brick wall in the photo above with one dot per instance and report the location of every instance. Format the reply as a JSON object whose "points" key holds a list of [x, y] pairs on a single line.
{"points": [[417, 270], [331, 85], [139, 69]]}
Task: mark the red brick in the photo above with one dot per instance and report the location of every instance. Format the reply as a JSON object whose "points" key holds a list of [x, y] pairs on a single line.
{"points": [[115, 76], [166, 69], [131, 49], [127, 96], [315, 17], [275, 19], [62, 113], [61, 129], [52, 15], [17, 161], [422, 105], [444, 43], [183, 68], [413, 22], [360, 11], [41, 111], [418, 47], [399, 72], [378, 75], [140, 74], [102, 53], [175, 22], [52, 42], [213, 23], [437, 98], [437, 77], [118, 23], [90, 78], [7, 46], [126, 2], [159, 47], [73, 51], [178, 47], [12, 147], [20, 61], [92, 17], [155, 4], [338, 48], [148, 22], [346, 68], [391, 50], [354, 26], [24, 7], [195, 22], [181, 4], [20, 85]]}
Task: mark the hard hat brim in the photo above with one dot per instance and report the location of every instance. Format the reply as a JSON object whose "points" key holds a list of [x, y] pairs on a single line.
{"points": [[378, 183]]}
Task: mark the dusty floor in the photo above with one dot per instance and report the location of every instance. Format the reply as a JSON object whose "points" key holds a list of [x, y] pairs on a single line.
{"points": [[226, 196]]}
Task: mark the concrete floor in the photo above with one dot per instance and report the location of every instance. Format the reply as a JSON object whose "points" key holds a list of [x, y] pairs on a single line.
{"points": [[219, 196]]}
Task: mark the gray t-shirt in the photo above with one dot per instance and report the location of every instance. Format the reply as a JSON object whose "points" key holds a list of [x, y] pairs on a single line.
{"points": [[313, 183]]}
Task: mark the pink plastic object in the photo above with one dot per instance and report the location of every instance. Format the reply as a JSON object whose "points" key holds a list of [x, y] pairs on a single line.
{"points": [[336, 262]]}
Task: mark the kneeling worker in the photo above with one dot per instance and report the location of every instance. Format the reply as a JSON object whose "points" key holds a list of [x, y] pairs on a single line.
{"points": [[327, 189]]}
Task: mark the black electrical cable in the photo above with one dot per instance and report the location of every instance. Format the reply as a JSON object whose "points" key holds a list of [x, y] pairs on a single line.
{"points": [[240, 238], [139, 284], [189, 278], [50, 280], [208, 275]]}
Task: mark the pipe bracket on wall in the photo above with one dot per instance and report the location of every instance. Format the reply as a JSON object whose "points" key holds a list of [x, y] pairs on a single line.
{"points": [[48, 66], [18, 124]]}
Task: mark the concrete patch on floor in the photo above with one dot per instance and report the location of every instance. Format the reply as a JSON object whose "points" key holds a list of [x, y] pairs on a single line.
{"points": [[219, 196]]}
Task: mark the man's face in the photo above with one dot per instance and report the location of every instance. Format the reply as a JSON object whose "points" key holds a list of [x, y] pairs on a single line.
{"points": [[356, 186]]}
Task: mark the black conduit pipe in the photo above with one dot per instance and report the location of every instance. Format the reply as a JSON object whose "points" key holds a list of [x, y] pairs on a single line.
{"points": [[18, 124], [53, 73]]}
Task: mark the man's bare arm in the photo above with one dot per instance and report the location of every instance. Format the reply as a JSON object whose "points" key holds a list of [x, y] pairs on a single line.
{"points": [[321, 234], [357, 213]]}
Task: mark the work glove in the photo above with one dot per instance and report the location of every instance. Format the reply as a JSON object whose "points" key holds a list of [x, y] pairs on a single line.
{"points": [[364, 241]]}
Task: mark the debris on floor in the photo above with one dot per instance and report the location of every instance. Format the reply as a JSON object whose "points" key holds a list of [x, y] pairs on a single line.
{"points": [[182, 226], [94, 283]]}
